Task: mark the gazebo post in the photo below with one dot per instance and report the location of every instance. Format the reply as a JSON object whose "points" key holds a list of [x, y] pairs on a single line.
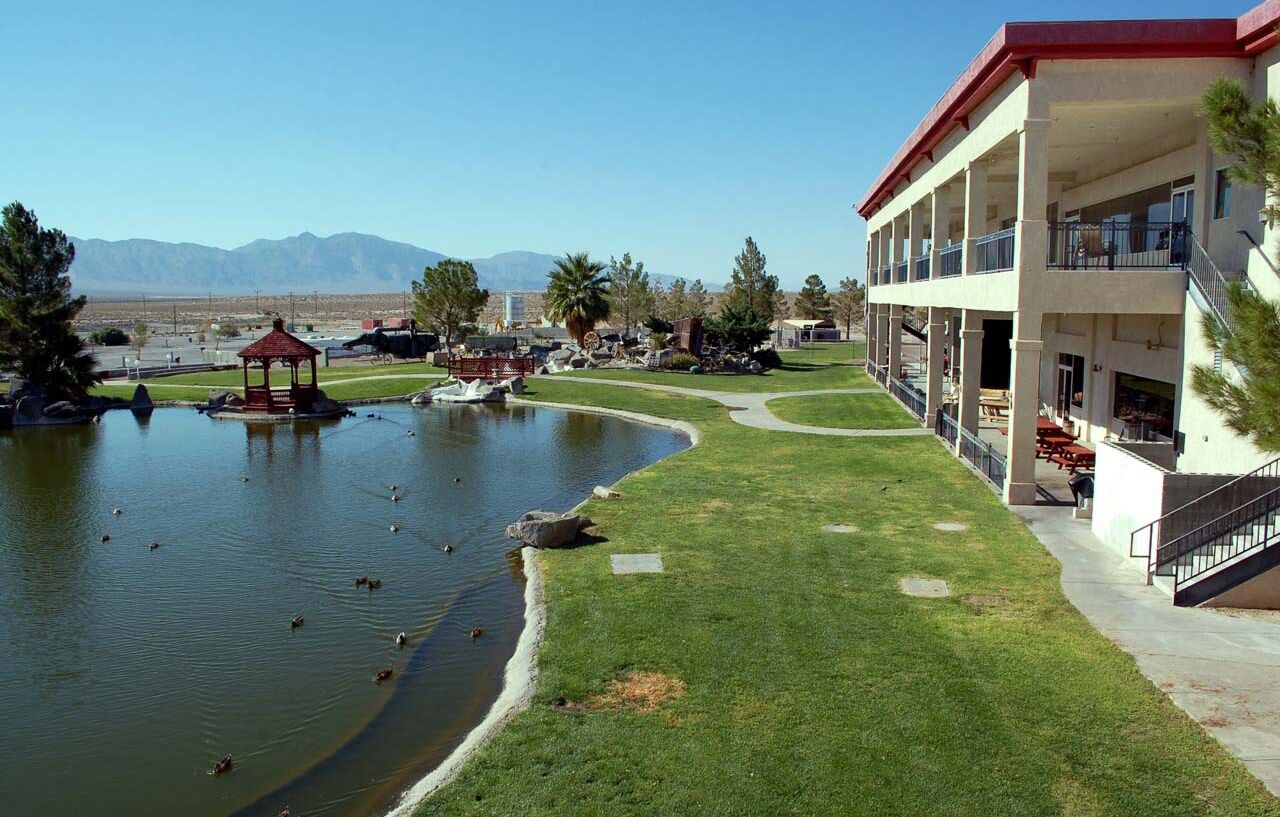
{"points": [[266, 380]]}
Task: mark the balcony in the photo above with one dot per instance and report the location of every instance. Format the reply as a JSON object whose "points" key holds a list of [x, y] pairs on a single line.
{"points": [[901, 268], [951, 261], [1118, 245], [922, 267], [994, 252], [886, 275]]}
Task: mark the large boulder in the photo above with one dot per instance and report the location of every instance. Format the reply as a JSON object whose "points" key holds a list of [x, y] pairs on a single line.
{"points": [[547, 529], [559, 356], [28, 410], [141, 403], [62, 411], [515, 385], [578, 362]]}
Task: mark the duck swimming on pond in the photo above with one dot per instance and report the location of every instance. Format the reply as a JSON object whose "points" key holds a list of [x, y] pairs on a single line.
{"points": [[244, 479], [413, 434], [224, 765], [476, 632], [382, 675], [393, 489], [105, 538], [361, 580], [395, 497], [153, 546], [448, 548], [401, 640], [116, 511], [297, 622], [375, 584], [456, 480], [393, 528]]}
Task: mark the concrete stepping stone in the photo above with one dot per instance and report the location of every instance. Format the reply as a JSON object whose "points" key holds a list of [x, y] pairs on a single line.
{"points": [[924, 588], [624, 563], [840, 528], [950, 527]]}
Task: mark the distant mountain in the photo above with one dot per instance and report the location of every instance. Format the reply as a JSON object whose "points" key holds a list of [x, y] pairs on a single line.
{"points": [[346, 262]]}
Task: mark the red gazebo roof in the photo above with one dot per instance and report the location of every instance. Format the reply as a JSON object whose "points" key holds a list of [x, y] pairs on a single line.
{"points": [[278, 343]]}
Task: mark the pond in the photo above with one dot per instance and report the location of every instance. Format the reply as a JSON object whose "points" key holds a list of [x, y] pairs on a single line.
{"points": [[127, 671]]}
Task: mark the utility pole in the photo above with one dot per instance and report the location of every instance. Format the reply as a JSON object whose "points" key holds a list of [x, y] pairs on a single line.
{"points": [[210, 306], [404, 303], [315, 294], [293, 313], [256, 293], [175, 320]]}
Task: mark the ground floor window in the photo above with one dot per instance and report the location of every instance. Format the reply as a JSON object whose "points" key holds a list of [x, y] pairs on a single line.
{"points": [[1145, 406], [1070, 385]]}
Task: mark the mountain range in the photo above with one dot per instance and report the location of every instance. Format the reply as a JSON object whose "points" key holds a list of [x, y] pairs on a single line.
{"points": [[346, 263]]}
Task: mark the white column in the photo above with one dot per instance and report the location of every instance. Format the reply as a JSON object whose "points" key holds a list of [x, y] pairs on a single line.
{"points": [[1024, 408], [915, 238], [895, 340], [933, 376], [970, 368], [873, 257], [975, 212], [882, 334], [940, 219], [1031, 233], [895, 249], [886, 241]]}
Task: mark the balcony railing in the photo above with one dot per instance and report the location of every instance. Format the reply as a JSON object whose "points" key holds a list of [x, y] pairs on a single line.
{"points": [[951, 261], [902, 267], [1118, 245], [995, 252], [911, 399], [979, 453], [922, 267], [886, 275]]}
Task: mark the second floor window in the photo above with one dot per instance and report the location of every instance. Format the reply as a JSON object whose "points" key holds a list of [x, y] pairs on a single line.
{"points": [[1221, 194]]}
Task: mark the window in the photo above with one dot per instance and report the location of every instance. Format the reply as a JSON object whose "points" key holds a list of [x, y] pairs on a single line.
{"points": [[1221, 194], [1145, 406], [1070, 384]]}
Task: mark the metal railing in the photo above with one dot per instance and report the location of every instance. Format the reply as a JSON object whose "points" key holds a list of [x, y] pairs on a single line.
{"points": [[1209, 281], [979, 453], [880, 373], [1118, 245], [902, 267], [922, 267], [910, 398], [1248, 527], [995, 252], [951, 261], [1155, 537], [947, 428], [886, 275]]}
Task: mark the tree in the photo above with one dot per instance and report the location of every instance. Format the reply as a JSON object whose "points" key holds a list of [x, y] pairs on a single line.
{"points": [[846, 304], [109, 336], [683, 300], [630, 298], [577, 294], [1250, 134], [448, 296], [697, 302], [139, 339], [36, 308], [1251, 405], [739, 328], [750, 287], [674, 303], [813, 302]]}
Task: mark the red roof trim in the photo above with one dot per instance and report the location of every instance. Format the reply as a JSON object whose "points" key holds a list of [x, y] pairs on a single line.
{"points": [[278, 343], [1017, 46]]}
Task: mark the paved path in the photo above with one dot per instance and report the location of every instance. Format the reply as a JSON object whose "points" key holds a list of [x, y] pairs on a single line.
{"points": [[748, 408], [1221, 668]]}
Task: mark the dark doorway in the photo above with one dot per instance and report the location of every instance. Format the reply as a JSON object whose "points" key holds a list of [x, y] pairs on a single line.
{"points": [[996, 334]]}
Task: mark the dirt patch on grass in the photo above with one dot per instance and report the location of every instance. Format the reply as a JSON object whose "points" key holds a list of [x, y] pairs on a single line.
{"points": [[637, 692], [982, 602], [716, 505]]}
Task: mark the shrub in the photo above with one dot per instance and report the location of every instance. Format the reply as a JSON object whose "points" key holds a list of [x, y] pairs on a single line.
{"points": [[768, 358], [109, 336], [658, 340], [681, 362]]}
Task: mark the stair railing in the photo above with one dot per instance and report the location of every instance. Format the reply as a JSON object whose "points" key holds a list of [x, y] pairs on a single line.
{"points": [[1209, 280], [1217, 542]]}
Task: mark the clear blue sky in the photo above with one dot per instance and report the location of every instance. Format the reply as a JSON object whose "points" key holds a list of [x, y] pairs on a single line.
{"points": [[667, 129]]}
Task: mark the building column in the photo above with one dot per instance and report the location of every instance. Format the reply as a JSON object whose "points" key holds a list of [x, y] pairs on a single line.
{"points": [[915, 237], [882, 334], [869, 328], [1031, 231], [895, 340], [886, 237], [1024, 408], [975, 212], [873, 258], [940, 228], [1201, 214], [895, 249], [933, 374], [970, 369]]}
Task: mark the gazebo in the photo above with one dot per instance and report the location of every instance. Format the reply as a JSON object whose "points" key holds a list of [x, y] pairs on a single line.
{"points": [[291, 353]]}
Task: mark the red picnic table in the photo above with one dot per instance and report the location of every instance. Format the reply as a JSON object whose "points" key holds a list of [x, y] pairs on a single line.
{"points": [[1074, 456]]}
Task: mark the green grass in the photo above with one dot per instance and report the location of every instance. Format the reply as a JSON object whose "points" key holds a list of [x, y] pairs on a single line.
{"points": [[825, 366], [235, 377], [877, 410], [355, 390], [813, 685]]}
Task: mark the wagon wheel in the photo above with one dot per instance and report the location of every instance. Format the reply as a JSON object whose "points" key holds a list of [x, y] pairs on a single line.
{"points": [[591, 341]]}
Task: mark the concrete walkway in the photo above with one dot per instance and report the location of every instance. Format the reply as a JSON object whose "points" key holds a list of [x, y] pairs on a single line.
{"points": [[1222, 668], [748, 408]]}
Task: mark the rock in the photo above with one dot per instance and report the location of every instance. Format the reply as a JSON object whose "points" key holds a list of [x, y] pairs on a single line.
{"points": [[755, 367], [142, 403], [539, 353], [602, 354], [515, 385], [543, 370], [19, 388], [559, 356], [422, 398], [546, 529], [61, 410], [577, 362], [601, 492], [28, 410]]}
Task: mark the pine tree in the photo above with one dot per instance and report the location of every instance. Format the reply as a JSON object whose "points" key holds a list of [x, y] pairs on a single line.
{"points": [[37, 342], [1250, 134], [1250, 405], [698, 302], [675, 302], [630, 297], [750, 287], [846, 304], [813, 303]]}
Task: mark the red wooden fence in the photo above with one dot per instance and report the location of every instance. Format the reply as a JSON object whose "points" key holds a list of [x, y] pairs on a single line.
{"points": [[490, 368]]}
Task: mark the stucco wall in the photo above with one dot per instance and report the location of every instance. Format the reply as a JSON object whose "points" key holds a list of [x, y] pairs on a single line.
{"points": [[1128, 493]]}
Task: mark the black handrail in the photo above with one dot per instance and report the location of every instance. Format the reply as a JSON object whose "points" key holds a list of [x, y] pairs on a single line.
{"points": [[1074, 245], [1236, 534], [951, 261], [995, 251]]}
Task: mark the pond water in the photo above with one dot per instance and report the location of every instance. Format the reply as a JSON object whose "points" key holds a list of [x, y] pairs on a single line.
{"points": [[126, 672]]}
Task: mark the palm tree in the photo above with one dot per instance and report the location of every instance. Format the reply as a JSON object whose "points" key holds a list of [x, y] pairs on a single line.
{"points": [[577, 294]]}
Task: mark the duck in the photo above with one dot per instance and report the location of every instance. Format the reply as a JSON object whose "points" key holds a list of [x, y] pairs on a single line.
{"points": [[105, 538], [401, 640], [394, 528], [476, 632], [116, 511], [393, 488], [224, 765], [369, 416], [153, 546], [361, 580], [244, 479], [297, 622], [382, 675], [284, 813], [375, 584], [448, 548], [413, 434], [395, 497], [456, 480]]}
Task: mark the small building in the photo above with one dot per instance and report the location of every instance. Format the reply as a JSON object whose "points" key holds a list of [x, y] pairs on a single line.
{"points": [[290, 353], [369, 324], [512, 309], [794, 331]]}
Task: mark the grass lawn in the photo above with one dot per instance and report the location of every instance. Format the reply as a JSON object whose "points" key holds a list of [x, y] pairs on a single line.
{"points": [[824, 366], [354, 390], [811, 684], [877, 410], [235, 377]]}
